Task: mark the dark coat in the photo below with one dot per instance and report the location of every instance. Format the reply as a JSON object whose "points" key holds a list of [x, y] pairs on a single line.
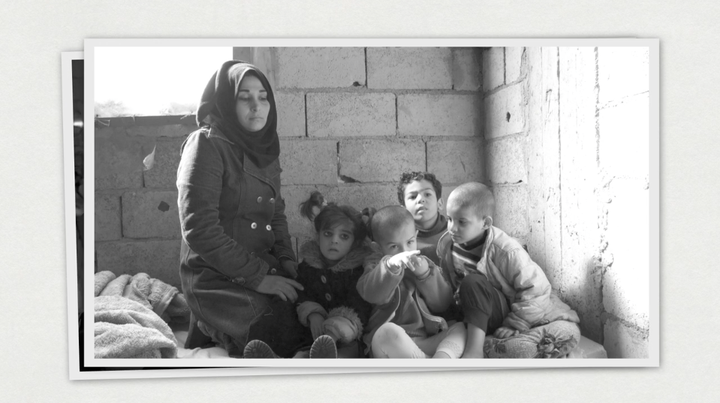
{"points": [[234, 232], [332, 291]]}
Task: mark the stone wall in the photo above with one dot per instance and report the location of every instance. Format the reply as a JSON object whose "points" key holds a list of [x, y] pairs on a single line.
{"points": [[568, 158], [351, 120]]}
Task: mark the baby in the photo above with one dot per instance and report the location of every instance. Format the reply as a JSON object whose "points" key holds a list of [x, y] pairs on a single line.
{"points": [[408, 292]]}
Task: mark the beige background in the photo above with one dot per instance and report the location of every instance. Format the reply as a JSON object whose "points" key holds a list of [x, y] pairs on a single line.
{"points": [[32, 291]]}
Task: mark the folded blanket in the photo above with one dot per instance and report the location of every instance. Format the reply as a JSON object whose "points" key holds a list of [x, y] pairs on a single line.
{"points": [[162, 298], [126, 329]]}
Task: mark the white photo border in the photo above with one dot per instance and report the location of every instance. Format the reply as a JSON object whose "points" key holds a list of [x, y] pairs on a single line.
{"points": [[653, 359]]}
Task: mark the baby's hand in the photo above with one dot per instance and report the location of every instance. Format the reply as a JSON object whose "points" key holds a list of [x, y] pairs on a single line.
{"points": [[505, 332], [418, 266], [401, 261]]}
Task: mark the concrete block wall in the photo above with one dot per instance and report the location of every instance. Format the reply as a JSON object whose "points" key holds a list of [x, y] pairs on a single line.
{"points": [[567, 147], [137, 228], [351, 120]]}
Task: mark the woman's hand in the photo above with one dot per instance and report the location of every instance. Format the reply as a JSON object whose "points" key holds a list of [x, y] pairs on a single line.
{"points": [[284, 288], [316, 325]]}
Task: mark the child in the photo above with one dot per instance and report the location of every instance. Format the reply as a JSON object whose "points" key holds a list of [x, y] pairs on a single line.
{"points": [[408, 292], [421, 194], [330, 304], [499, 288]]}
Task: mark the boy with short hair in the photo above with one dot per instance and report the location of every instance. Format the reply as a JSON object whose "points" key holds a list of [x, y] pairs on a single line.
{"points": [[408, 292], [421, 194], [499, 288]]}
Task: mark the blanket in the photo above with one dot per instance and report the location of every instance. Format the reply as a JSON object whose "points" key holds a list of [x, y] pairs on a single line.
{"points": [[163, 299], [132, 315], [553, 340], [126, 329]]}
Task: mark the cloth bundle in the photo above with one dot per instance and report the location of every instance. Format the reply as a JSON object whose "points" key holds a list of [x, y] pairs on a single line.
{"points": [[552, 340], [131, 315], [126, 329], [162, 298]]}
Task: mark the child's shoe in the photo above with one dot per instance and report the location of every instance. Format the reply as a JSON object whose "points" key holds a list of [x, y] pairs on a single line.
{"points": [[323, 347], [258, 349]]}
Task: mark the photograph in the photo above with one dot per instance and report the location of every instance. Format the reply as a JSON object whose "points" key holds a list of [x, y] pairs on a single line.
{"points": [[329, 202]]}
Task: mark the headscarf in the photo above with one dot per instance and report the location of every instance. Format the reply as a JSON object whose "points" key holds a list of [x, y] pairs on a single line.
{"points": [[217, 108]]}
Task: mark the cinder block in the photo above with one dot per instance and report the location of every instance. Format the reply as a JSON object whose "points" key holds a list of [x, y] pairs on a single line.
{"points": [[161, 130], [506, 160], [119, 157], [380, 160], [350, 114], [622, 341], [306, 161], [493, 68], [439, 115], [511, 210], [409, 68], [320, 67], [513, 64], [467, 69], [151, 214], [580, 286], [456, 161], [298, 226], [361, 196], [446, 190], [543, 150], [107, 217], [291, 113], [504, 112], [626, 283], [159, 259], [622, 72], [163, 164], [625, 137]]}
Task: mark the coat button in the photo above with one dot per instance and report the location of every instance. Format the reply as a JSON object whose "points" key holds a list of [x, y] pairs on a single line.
{"points": [[268, 227], [253, 225], [272, 200], [273, 271], [323, 279], [328, 296], [259, 199]]}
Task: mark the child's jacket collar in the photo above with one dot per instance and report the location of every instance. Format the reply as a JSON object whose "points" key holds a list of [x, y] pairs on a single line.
{"points": [[310, 254]]}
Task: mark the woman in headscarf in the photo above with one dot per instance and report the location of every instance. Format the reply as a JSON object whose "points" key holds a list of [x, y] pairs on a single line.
{"points": [[237, 262]]}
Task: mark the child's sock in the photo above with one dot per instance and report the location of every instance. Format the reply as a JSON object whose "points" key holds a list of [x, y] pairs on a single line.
{"points": [[453, 345]]}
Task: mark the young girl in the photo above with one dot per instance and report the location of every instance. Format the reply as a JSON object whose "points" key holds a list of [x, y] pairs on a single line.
{"points": [[330, 305]]}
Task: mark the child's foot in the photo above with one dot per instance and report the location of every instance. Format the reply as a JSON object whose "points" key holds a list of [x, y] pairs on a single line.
{"points": [[258, 349], [323, 347]]}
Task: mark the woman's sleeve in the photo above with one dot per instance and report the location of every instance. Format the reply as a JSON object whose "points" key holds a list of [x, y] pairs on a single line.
{"points": [[282, 249], [199, 183]]}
